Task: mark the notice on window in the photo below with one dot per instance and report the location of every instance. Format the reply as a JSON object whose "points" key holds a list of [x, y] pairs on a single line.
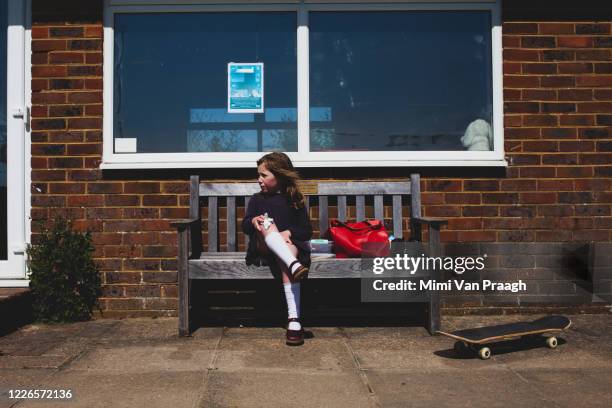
{"points": [[245, 87]]}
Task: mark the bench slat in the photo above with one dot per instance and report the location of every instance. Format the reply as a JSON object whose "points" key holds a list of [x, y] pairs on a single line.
{"points": [[228, 189], [231, 223], [246, 205], [415, 207], [194, 200], [379, 209], [323, 215], [364, 187], [397, 216], [360, 202], [195, 233], [212, 224], [235, 268], [342, 208]]}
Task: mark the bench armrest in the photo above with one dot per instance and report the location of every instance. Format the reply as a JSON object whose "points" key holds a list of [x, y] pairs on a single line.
{"points": [[434, 225], [182, 224], [189, 237], [431, 221]]}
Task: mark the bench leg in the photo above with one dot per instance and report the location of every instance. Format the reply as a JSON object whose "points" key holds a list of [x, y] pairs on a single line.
{"points": [[184, 319], [434, 296], [433, 313], [183, 284]]}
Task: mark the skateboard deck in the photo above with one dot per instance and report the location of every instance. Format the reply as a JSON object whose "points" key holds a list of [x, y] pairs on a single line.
{"points": [[484, 335]]}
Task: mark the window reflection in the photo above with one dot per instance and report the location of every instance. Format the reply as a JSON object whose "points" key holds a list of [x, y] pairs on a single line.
{"points": [[400, 80], [182, 58]]}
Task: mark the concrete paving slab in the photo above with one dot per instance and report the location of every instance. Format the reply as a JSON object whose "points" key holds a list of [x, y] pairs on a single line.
{"points": [[441, 388], [415, 358], [148, 331], [279, 332], [143, 328], [208, 333], [289, 388], [11, 379], [385, 333], [543, 357], [323, 333], [40, 339], [406, 348], [137, 362], [254, 353], [31, 342], [272, 333], [594, 385], [26, 362], [95, 389], [186, 356]]}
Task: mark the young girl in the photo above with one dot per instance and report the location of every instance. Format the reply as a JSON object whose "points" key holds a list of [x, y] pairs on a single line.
{"points": [[282, 241]]}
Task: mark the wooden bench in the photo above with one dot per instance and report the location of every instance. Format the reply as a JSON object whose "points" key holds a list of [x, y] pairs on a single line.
{"points": [[195, 263]]}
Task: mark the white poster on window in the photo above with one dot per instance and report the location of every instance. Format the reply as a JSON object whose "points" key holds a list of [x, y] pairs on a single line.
{"points": [[245, 87]]}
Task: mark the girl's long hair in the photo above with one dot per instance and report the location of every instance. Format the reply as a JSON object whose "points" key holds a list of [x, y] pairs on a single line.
{"points": [[280, 165]]}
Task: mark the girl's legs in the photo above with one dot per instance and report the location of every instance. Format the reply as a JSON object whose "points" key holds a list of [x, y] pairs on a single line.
{"points": [[292, 294], [277, 244], [263, 249], [292, 289]]}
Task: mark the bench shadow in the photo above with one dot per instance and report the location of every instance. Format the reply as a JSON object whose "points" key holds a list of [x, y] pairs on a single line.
{"points": [[500, 347]]}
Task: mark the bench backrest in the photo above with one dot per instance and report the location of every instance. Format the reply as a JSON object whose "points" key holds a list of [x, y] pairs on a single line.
{"points": [[359, 189]]}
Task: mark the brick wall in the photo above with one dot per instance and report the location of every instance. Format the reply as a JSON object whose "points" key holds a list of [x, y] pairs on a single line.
{"points": [[128, 217], [558, 112]]}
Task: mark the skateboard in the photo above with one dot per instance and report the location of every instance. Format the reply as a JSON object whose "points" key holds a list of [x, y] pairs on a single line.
{"points": [[477, 339]]}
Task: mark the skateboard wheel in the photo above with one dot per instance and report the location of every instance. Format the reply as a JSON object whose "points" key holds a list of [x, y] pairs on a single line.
{"points": [[551, 342], [484, 353]]}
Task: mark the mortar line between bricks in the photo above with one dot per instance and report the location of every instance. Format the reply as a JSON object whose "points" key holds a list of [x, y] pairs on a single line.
{"points": [[211, 367], [374, 400]]}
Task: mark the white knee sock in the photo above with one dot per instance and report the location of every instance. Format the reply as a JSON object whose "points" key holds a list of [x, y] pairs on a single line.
{"points": [[277, 244], [292, 294]]}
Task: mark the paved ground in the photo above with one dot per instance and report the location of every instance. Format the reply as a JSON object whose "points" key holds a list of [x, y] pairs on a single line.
{"points": [[142, 362]]}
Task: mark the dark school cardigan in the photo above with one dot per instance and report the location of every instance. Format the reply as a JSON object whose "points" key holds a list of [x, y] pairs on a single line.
{"points": [[285, 217]]}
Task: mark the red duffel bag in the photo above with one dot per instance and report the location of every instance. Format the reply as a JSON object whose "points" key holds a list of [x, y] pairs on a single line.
{"points": [[349, 237]]}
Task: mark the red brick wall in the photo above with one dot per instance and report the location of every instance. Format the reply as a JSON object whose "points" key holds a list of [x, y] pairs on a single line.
{"points": [[558, 112]]}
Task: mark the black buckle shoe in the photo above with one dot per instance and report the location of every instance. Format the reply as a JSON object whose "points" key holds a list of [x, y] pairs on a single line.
{"points": [[301, 272], [294, 337]]}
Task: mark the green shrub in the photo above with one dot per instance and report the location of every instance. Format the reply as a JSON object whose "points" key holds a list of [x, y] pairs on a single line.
{"points": [[64, 279]]}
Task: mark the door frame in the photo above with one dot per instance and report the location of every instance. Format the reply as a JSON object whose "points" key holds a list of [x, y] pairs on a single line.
{"points": [[13, 271]]}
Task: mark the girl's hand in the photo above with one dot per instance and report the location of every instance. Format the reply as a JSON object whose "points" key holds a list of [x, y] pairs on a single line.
{"points": [[286, 236], [257, 222]]}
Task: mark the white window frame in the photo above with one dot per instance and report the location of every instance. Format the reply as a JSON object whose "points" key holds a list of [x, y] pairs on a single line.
{"points": [[18, 88], [304, 157]]}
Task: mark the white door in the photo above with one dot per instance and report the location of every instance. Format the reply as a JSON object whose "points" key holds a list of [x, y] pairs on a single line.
{"points": [[13, 120]]}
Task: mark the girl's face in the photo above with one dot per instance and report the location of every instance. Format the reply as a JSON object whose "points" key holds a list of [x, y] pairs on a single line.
{"points": [[267, 181]]}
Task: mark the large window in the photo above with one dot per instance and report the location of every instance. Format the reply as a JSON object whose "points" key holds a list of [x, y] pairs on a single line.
{"points": [[170, 90], [344, 84]]}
